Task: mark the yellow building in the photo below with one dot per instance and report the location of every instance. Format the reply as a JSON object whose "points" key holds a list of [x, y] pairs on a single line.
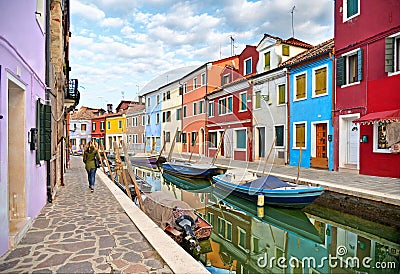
{"points": [[115, 129]]}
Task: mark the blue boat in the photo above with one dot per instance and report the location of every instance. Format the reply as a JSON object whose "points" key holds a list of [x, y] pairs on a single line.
{"points": [[192, 170], [273, 190]]}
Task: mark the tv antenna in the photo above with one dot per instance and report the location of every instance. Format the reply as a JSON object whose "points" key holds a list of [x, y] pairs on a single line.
{"points": [[232, 45], [292, 12]]}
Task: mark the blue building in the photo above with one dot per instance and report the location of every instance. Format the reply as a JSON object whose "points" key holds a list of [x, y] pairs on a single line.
{"points": [[311, 104], [153, 121]]}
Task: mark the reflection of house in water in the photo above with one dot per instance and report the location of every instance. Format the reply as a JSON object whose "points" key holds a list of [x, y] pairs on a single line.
{"points": [[151, 176]]}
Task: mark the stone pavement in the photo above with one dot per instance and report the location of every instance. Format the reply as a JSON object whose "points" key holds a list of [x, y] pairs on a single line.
{"points": [[83, 232]]}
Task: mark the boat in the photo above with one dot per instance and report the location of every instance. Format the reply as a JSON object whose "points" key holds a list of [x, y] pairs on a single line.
{"points": [[177, 219], [193, 170], [141, 183], [147, 159], [269, 189], [190, 184]]}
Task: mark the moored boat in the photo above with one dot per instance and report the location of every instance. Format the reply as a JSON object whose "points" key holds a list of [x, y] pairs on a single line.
{"points": [[147, 159], [193, 170], [273, 190]]}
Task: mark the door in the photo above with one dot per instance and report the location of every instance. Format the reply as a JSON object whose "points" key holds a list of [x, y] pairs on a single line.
{"points": [[352, 144], [321, 150], [261, 142]]}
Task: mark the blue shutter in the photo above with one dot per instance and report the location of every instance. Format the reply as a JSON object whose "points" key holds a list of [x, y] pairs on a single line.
{"points": [[340, 71], [360, 64], [389, 54]]}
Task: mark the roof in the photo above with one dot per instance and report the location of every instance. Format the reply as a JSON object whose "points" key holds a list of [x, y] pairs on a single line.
{"points": [[291, 41], [87, 113], [322, 48]]}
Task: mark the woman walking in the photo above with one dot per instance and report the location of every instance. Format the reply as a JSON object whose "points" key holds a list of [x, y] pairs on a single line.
{"points": [[89, 156]]}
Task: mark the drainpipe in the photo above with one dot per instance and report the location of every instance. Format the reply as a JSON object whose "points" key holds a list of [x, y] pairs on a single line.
{"points": [[288, 116], [47, 95]]}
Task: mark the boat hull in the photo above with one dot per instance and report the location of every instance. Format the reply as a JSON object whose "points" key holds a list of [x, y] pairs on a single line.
{"points": [[151, 160], [191, 170], [292, 198]]}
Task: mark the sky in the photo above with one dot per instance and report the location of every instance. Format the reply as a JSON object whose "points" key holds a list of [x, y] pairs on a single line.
{"points": [[118, 46]]}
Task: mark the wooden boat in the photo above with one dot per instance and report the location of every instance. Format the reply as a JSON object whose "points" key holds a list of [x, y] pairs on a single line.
{"points": [[268, 188], [193, 170], [177, 219], [146, 159], [189, 184]]}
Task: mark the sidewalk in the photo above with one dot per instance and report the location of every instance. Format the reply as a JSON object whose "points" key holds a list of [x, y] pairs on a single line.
{"points": [[381, 189], [84, 232]]}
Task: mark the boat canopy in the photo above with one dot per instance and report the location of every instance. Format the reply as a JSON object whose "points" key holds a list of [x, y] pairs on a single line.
{"points": [[267, 182]]}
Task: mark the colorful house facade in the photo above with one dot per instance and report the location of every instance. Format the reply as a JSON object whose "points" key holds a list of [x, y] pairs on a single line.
{"points": [[22, 101], [135, 126], [230, 110], [270, 109], [367, 79], [115, 129], [311, 104]]}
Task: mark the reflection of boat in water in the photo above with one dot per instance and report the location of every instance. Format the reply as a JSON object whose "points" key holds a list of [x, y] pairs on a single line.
{"points": [[273, 190], [147, 159], [177, 219], [189, 184], [141, 183], [192, 170]]}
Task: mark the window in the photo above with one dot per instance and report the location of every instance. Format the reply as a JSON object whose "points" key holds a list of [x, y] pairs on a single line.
{"points": [[83, 142], [167, 137], [184, 111], [194, 108], [212, 139], [380, 141], [184, 138], [349, 68], [148, 119], [351, 8], [201, 107], [179, 114], [281, 94], [194, 137], [225, 79], [148, 102], [320, 81], [157, 118], [163, 117], [300, 135], [210, 218], [255, 244], [203, 79], [158, 99], [241, 139], [134, 121], [185, 89], [120, 124], [279, 133], [242, 238], [102, 125], [267, 61], [285, 50], [300, 87], [247, 66], [143, 120], [224, 228], [258, 99], [94, 126], [178, 137], [211, 109], [83, 127], [222, 106], [243, 101], [135, 138], [109, 125], [168, 95], [73, 142], [168, 116], [180, 90], [392, 53], [230, 105], [194, 83]]}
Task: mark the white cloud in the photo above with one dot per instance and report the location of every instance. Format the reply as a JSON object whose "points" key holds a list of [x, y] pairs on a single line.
{"points": [[112, 22], [89, 11]]}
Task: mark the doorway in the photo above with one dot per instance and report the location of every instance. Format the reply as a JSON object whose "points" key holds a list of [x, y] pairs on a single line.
{"points": [[261, 142], [321, 147], [349, 135]]}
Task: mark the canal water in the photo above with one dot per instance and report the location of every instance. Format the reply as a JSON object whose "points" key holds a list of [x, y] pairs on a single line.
{"points": [[251, 239]]}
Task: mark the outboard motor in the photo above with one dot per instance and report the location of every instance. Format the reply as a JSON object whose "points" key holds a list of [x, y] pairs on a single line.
{"points": [[187, 224]]}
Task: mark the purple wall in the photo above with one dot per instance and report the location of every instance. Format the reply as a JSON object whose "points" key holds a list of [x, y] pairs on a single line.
{"points": [[22, 46]]}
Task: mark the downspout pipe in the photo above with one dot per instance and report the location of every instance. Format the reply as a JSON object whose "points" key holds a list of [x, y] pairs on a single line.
{"points": [[47, 94]]}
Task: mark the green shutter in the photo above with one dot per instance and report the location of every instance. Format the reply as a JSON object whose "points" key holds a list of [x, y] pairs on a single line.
{"points": [[43, 123], [258, 99], [340, 71], [389, 54], [282, 94], [38, 119], [285, 50], [360, 64]]}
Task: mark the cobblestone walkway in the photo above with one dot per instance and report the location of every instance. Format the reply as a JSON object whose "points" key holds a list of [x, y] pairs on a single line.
{"points": [[83, 232]]}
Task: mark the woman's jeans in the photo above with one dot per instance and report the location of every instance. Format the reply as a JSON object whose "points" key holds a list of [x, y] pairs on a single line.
{"points": [[91, 177]]}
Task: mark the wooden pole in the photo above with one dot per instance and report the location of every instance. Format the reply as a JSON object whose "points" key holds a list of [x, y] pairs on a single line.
{"points": [[298, 165], [162, 149], [133, 178], [172, 146], [269, 153], [101, 161], [219, 147], [193, 146], [120, 167], [108, 164]]}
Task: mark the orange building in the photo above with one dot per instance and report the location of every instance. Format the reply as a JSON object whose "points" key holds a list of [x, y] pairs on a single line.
{"points": [[195, 86]]}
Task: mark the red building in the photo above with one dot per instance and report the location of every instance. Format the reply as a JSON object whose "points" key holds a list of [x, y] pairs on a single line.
{"points": [[98, 129], [230, 110], [367, 107]]}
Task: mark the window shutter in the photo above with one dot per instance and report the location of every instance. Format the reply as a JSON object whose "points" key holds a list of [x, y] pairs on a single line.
{"points": [[300, 86], [389, 54], [282, 94], [360, 64], [340, 71], [45, 133]]}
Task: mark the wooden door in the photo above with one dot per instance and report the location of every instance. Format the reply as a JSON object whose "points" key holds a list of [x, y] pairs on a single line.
{"points": [[321, 140]]}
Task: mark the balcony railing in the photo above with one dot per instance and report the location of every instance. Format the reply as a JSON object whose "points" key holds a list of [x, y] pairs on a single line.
{"points": [[72, 94]]}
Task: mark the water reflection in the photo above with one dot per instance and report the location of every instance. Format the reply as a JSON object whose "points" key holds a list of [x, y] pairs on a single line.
{"points": [[250, 239]]}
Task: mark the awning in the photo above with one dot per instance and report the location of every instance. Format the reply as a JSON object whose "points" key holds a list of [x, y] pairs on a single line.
{"points": [[382, 116]]}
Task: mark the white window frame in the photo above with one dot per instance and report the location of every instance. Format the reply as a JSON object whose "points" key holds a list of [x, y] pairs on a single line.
{"points": [[227, 109], [235, 139], [93, 126], [185, 89], [194, 110], [241, 230], [143, 120], [294, 134], [375, 140], [396, 58], [346, 56], [102, 125], [195, 83], [202, 102], [134, 121], [277, 94], [227, 77], [240, 102], [255, 99], [295, 86], [211, 109], [313, 84], [284, 139], [203, 79], [251, 65], [345, 18]]}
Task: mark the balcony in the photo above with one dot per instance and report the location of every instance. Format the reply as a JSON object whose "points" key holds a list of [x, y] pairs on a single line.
{"points": [[72, 94]]}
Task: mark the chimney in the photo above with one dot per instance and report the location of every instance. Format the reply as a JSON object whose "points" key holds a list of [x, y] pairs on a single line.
{"points": [[140, 99], [109, 108]]}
